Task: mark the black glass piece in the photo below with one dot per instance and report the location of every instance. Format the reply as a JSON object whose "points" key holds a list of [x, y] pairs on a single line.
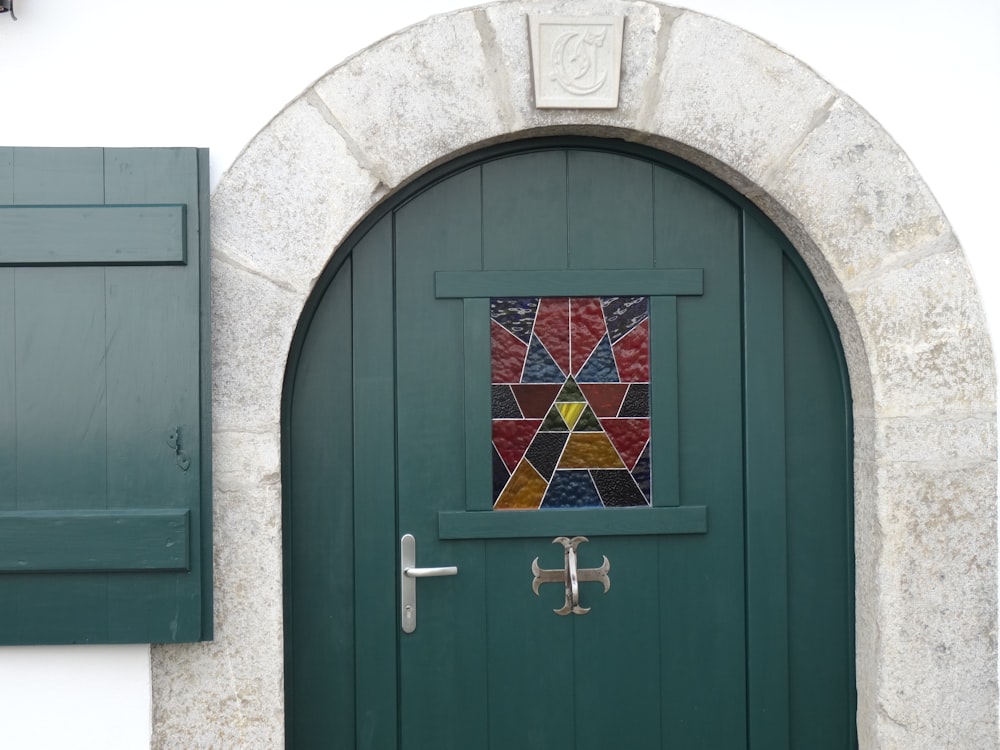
{"points": [[588, 422], [623, 314], [544, 452], [516, 314], [504, 404], [641, 473], [636, 403], [617, 488], [571, 488], [500, 475]]}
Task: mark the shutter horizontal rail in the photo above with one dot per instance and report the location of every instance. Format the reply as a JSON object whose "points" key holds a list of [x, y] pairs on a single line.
{"points": [[80, 235], [94, 541], [511, 524]]}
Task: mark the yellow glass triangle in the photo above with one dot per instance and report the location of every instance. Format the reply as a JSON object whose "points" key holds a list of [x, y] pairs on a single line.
{"points": [[571, 412]]}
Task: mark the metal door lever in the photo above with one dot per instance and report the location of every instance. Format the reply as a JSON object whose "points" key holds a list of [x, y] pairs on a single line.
{"points": [[408, 573]]}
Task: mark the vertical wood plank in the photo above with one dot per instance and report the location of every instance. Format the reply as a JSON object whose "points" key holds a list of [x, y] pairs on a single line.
{"points": [[153, 375], [8, 401], [478, 431], [703, 657], [610, 211], [375, 536], [766, 559], [524, 212], [6, 175], [440, 230], [820, 522], [664, 406], [319, 532]]}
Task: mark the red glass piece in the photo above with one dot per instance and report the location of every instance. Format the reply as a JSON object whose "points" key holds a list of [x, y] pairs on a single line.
{"points": [[632, 355], [535, 399], [587, 327], [629, 436], [552, 328], [511, 438], [507, 354], [604, 398]]}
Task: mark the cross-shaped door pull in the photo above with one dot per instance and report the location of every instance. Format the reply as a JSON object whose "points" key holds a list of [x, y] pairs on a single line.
{"points": [[571, 576]]}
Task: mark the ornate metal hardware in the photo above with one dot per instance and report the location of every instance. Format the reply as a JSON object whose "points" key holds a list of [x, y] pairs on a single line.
{"points": [[571, 576]]}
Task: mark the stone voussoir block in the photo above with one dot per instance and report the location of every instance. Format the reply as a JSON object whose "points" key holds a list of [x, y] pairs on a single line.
{"points": [[265, 215], [426, 92]]}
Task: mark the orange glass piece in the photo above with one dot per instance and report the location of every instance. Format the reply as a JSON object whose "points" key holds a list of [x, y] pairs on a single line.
{"points": [[524, 490], [590, 450]]}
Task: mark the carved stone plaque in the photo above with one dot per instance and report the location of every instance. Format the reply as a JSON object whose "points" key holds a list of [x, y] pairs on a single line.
{"points": [[576, 61]]}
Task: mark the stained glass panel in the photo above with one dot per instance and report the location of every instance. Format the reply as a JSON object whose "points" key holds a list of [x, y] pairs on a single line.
{"points": [[570, 381]]}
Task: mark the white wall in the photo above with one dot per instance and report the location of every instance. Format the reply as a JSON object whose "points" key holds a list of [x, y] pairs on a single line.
{"points": [[135, 72]]}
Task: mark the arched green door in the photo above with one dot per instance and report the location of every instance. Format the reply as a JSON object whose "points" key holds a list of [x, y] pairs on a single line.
{"points": [[548, 341]]}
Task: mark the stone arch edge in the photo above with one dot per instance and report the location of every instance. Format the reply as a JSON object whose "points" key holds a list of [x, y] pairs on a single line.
{"points": [[819, 167]]}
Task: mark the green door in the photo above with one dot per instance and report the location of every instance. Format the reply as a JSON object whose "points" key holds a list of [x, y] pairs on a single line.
{"points": [[536, 345]]}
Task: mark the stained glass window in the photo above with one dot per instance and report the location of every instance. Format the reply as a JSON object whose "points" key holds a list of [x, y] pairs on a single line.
{"points": [[570, 402]]}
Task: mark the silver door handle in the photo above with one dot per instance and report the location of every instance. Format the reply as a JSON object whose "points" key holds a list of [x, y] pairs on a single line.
{"points": [[449, 570], [408, 573]]}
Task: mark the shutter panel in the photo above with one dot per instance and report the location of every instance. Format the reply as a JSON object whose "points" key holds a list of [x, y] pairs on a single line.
{"points": [[105, 483]]}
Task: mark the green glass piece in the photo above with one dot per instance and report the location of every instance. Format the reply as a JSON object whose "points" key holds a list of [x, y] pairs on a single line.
{"points": [[553, 422], [570, 392], [588, 422]]}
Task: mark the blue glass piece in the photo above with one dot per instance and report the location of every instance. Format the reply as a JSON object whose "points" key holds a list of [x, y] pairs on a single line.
{"points": [[500, 475], [539, 367], [641, 473], [623, 314], [504, 405], [516, 314], [600, 368], [571, 488]]}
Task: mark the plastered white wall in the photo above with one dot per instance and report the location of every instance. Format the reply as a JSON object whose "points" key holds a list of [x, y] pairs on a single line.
{"points": [[133, 72]]}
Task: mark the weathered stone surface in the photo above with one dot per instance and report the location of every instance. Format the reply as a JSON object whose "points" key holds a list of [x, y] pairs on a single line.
{"points": [[227, 693], [252, 325], [937, 613], [924, 328], [245, 460], [291, 198], [425, 95], [938, 440], [735, 97], [862, 199]]}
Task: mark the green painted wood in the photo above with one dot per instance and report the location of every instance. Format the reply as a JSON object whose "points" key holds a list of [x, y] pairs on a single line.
{"points": [[6, 175], [478, 434], [819, 491], [664, 405], [667, 657], [525, 229], [98, 235], [8, 394], [702, 600], [688, 519], [452, 284], [375, 537], [110, 383], [86, 541], [318, 513], [154, 360], [611, 211], [767, 560], [58, 176], [440, 230]]}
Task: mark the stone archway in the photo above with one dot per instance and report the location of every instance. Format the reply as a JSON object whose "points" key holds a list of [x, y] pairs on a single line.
{"points": [[817, 164]]}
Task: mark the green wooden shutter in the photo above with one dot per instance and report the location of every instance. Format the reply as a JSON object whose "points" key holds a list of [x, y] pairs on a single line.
{"points": [[105, 518]]}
